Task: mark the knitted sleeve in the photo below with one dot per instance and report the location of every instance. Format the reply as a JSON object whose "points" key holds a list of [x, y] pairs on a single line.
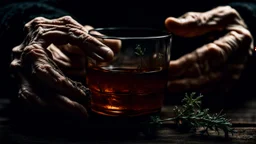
{"points": [[12, 20]]}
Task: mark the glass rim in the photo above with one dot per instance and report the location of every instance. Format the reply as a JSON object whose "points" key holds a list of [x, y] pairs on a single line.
{"points": [[164, 34]]}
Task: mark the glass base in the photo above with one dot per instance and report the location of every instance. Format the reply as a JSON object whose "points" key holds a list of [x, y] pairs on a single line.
{"points": [[118, 126], [125, 113]]}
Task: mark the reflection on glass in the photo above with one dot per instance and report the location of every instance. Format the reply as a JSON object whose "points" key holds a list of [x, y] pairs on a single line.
{"points": [[133, 82]]}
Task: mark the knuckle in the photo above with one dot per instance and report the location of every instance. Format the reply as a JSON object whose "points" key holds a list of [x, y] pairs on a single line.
{"points": [[79, 34], [38, 19], [85, 37], [190, 13], [33, 50], [34, 22], [227, 7], [67, 18], [215, 51], [62, 80], [243, 36], [37, 35], [247, 36], [15, 64], [30, 48], [43, 68], [196, 17], [40, 31], [72, 32], [17, 49], [212, 47], [27, 27], [231, 12], [37, 27]]}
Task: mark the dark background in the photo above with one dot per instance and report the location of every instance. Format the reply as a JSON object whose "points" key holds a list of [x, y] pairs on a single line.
{"points": [[15, 13]]}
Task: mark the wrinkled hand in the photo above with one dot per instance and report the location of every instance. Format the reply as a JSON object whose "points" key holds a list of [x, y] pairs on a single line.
{"points": [[41, 81], [220, 62]]}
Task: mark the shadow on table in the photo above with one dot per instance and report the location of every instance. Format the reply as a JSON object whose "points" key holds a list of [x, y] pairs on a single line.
{"points": [[34, 126], [27, 124]]}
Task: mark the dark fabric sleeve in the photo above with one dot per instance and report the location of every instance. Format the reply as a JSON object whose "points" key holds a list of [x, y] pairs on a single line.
{"points": [[13, 17]]}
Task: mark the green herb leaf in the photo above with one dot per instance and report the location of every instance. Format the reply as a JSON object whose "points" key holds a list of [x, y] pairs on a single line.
{"points": [[191, 117]]}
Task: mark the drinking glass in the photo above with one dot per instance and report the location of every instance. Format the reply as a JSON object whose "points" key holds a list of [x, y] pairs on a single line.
{"points": [[133, 83]]}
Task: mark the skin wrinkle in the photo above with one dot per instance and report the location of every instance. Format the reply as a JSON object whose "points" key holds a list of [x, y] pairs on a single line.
{"points": [[33, 52], [213, 57], [208, 65], [44, 59]]}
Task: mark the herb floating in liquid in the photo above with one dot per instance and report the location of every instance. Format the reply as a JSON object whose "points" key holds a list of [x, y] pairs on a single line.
{"points": [[160, 59], [191, 117], [140, 52]]}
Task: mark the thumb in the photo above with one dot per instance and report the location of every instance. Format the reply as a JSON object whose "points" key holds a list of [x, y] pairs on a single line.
{"points": [[114, 44], [176, 25], [198, 23], [188, 26]]}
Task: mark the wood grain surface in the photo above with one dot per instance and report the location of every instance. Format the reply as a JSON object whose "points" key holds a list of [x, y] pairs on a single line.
{"points": [[243, 119]]}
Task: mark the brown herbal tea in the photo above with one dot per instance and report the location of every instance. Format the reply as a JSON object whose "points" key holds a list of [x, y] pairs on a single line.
{"points": [[133, 82], [126, 92]]}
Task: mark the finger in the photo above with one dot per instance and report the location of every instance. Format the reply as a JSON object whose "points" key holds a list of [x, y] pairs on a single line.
{"points": [[71, 50], [214, 80], [70, 31], [57, 54], [46, 72], [27, 93], [88, 27], [79, 38], [64, 27], [64, 61], [30, 98], [197, 62], [114, 44], [213, 55], [31, 24], [65, 20], [69, 20], [196, 23], [197, 83], [55, 101], [76, 64]]}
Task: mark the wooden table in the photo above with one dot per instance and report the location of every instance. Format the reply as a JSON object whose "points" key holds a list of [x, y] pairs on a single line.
{"points": [[243, 119]]}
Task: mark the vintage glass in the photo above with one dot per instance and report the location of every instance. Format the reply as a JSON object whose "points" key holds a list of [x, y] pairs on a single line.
{"points": [[133, 83]]}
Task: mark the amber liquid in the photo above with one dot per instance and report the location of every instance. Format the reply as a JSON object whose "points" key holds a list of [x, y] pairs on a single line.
{"points": [[126, 92]]}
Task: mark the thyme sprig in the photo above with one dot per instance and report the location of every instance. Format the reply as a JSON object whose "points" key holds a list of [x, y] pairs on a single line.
{"points": [[191, 117], [139, 51]]}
